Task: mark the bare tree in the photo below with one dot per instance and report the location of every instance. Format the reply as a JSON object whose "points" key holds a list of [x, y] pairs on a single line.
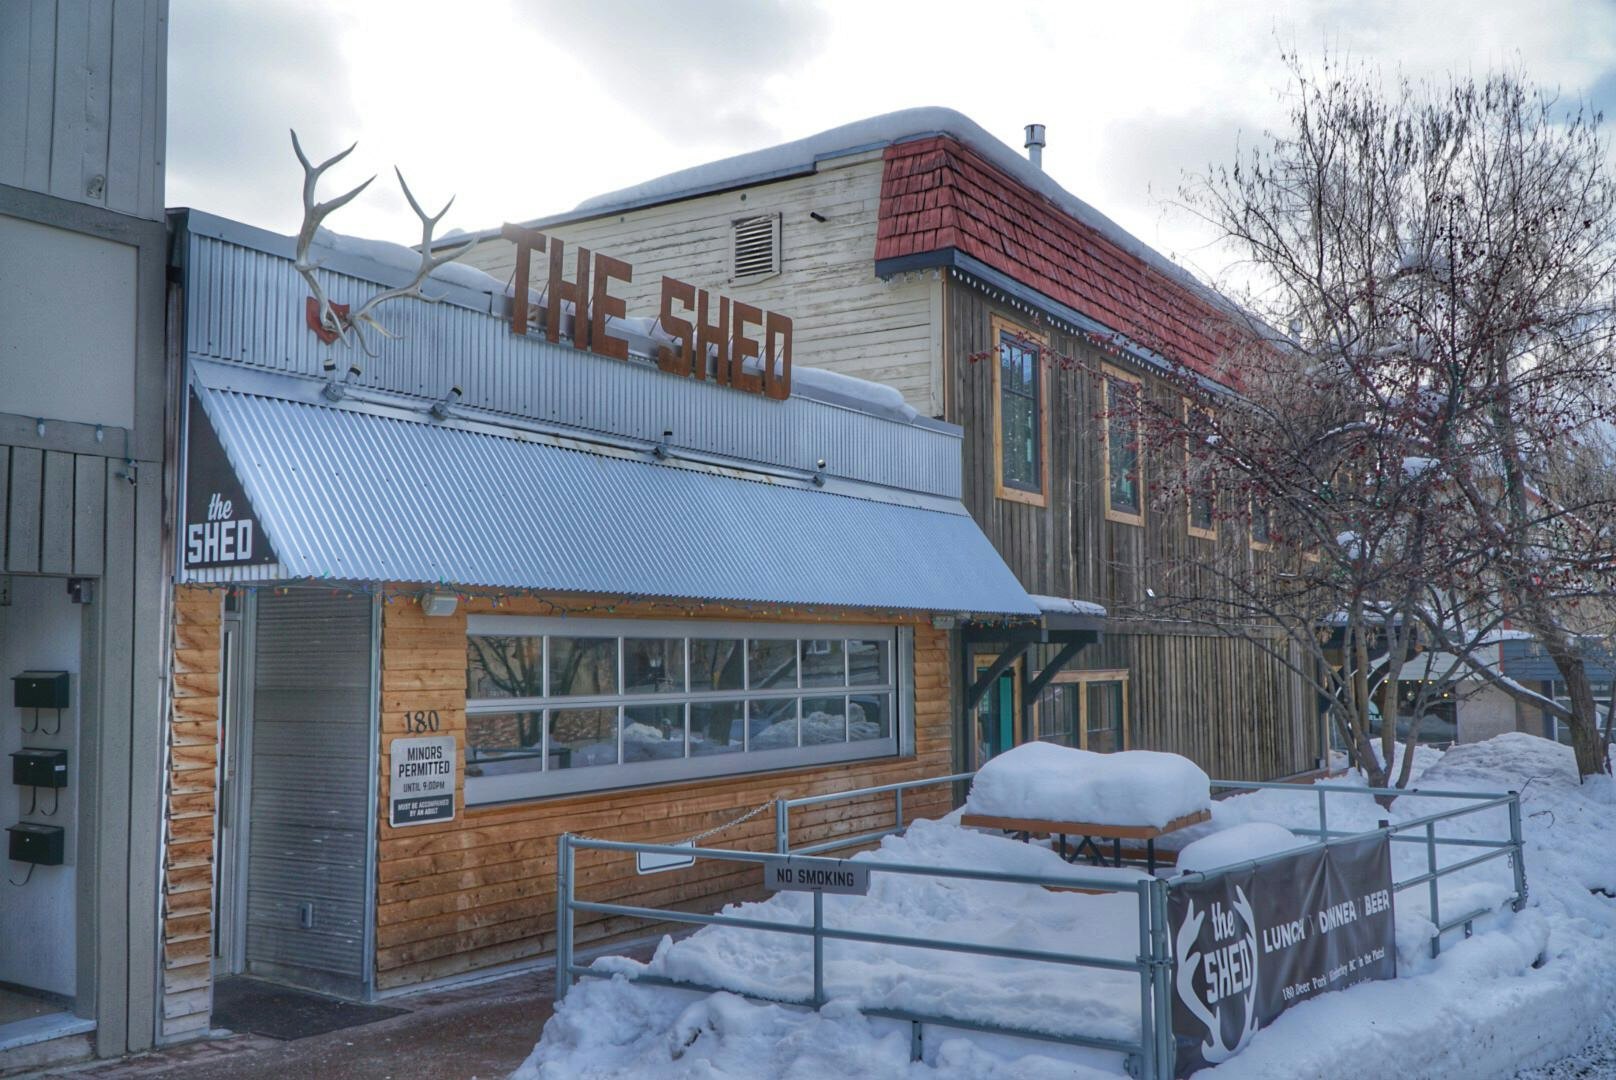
{"points": [[1424, 441]]}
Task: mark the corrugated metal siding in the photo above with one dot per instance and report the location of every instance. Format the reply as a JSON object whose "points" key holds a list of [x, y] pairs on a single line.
{"points": [[246, 306], [310, 773], [349, 495]]}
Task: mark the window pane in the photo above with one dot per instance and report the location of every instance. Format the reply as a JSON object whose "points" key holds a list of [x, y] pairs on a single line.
{"points": [[824, 720], [582, 737], [504, 667], [715, 727], [772, 723], [1261, 529], [1058, 715], [1105, 717], [867, 663], [499, 743], [715, 664], [653, 732], [771, 663], [1122, 438], [1201, 512], [823, 663], [1019, 413], [583, 666], [653, 665], [869, 716]]}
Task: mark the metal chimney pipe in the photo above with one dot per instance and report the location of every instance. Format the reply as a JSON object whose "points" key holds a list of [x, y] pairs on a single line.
{"points": [[1035, 144]]}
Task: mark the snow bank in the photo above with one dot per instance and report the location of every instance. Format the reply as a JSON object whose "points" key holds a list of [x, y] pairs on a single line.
{"points": [[1057, 783], [1238, 844], [823, 383]]}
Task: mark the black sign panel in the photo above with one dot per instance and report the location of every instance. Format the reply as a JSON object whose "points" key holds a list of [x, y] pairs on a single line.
{"points": [[221, 528], [1248, 945]]}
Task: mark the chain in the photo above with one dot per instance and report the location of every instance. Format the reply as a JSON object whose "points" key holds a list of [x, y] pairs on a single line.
{"points": [[696, 840], [693, 841]]}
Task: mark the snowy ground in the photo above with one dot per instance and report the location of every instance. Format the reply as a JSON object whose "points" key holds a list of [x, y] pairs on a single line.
{"points": [[1526, 991]]}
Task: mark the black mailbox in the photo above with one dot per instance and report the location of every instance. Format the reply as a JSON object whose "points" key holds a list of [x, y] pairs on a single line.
{"points": [[39, 690], [35, 767], [37, 844]]}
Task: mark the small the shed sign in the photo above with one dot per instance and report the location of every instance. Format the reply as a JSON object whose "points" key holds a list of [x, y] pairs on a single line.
{"points": [[422, 789], [817, 875]]}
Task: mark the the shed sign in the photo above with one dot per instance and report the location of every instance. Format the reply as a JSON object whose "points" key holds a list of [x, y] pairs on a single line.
{"points": [[731, 342], [221, 528], [422, 789], [1251, 943]]}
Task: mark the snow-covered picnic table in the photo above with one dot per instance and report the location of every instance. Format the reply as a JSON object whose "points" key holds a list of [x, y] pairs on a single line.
{"points": [[1048, 790]]}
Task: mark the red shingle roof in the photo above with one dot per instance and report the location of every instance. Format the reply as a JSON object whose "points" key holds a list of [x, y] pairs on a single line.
{"points": [[938, 193]]}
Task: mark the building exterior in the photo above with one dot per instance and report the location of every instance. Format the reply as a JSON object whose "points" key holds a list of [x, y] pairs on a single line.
{"points": [[436, 606], [82, 475], [920, 252]]}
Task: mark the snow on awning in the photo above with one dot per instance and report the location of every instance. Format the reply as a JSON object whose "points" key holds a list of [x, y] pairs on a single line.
{"points": [[354, 495]]}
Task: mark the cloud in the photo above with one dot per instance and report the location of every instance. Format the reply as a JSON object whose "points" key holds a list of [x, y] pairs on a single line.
{"points": [[240, 74], [704, 71]]}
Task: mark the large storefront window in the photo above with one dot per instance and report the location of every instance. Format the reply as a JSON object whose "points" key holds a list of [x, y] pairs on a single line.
{"points": [[566, 705]]}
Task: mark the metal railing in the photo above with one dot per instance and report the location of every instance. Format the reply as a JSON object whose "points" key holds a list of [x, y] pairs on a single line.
{"points": [[1149, 1057], [1143, 1056], [1423, 829]]}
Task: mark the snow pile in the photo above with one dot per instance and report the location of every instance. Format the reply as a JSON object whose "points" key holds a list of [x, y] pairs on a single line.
{"points": [[1529, 988], [1060, 605], [1057, 783], [1237, 844], [824, 384], [399, 257]]}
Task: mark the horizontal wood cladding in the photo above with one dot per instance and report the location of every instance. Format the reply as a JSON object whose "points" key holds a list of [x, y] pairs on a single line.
{"points": [[189, 818], [843, 317], [481, 890]]}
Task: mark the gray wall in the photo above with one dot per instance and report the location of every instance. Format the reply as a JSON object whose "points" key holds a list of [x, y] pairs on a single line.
{"points": [[83, 499]]}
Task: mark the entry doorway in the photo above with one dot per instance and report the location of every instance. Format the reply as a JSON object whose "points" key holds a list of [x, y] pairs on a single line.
{"points": [[46, 951], [997, 718], [297, 820]]}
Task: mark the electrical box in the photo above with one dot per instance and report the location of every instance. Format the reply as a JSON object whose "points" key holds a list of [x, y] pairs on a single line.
{"points": [[39, 690], [36, 767], [41, 845]]}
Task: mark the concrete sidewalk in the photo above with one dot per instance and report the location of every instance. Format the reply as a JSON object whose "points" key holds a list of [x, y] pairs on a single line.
{"points": [[483, 1031]]}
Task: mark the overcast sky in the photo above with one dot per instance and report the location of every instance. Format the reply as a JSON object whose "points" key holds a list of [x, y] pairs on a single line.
{"points": [[521, 108]]}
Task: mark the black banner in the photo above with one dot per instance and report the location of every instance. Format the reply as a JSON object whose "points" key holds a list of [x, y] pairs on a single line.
{"points": [[221, 528], [1250, 944]]}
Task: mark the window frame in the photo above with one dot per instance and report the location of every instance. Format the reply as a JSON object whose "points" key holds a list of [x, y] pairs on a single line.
{"points": [[1097, 675], [505, 788], [1000, 326], [1195, 531], [1122, 517]]}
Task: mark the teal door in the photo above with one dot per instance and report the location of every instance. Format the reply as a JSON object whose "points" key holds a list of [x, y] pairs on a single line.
{"points": [[996, 716]]}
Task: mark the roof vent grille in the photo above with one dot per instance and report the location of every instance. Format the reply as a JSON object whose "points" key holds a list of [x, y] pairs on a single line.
{"points": [[757, 248]]}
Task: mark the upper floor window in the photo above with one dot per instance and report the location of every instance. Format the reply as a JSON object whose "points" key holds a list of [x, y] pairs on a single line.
{"points": [[1019, 408], [1202, 499], [1262, 525], [1124, 475]]}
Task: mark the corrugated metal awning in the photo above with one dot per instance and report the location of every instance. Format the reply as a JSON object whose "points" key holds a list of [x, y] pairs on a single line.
{"points": [[362, 496]]}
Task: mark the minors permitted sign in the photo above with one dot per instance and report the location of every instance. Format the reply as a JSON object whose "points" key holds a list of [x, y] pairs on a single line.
{"points": [[422, 789], [817, 875], [1248, 945]]}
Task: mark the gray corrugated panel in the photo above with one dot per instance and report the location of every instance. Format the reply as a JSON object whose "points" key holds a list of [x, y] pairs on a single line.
{"points": [[310, 787], [350, 495], [246, 306]]}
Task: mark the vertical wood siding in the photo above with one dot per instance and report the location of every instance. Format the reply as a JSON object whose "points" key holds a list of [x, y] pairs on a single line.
{"points": [[843, 316], [53, 511], [1221, 701], [82, 84]]}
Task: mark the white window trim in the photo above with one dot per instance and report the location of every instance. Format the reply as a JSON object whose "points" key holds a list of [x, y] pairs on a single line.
{"points": [[513, 787]]}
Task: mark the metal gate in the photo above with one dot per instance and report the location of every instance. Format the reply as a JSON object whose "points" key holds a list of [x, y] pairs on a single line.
{"points": [[311, 774]]}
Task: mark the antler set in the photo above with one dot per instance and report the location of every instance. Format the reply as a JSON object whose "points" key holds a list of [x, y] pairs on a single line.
{"points": [[334, 321]]}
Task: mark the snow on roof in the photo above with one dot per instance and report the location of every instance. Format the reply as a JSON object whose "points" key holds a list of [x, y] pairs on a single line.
{"points": [[1059, 605], [875, 132], [401, 257]]}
